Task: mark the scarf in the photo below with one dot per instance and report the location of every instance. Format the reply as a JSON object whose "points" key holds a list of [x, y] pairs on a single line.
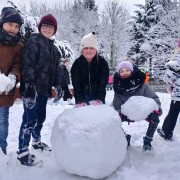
{"points": [[129, 85], [8, 39]]}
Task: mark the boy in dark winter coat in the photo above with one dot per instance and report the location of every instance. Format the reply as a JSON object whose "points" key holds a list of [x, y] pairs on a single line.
{"points": [[172, 79], [39, 74], [89, 74], [130, 81], [65, 81], [10, 57]]}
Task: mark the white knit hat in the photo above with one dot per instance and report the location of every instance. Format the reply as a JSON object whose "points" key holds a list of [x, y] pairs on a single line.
{"points": [[89, 41]]}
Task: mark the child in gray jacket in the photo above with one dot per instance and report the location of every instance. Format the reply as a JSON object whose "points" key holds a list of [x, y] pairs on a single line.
{"points": [[130, 81]]}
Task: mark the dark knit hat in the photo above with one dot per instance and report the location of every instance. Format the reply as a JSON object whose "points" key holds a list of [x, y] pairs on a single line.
{"points": [[50, 20], [9, 14]]}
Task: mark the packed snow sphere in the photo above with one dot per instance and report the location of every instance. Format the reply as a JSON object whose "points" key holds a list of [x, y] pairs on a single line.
{"points": [[89, 141], [4, 82], [138, 108]]}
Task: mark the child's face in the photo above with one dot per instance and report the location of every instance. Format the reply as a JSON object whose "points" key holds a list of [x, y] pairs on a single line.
{"points": [[89, 53], [47, 30], [11, 28], [125, 73]]}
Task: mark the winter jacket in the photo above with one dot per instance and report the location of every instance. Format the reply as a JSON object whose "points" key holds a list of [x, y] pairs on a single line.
{"points": [[10, 59], [40, 64], [133, 86], [172, 75], [89, 78]]}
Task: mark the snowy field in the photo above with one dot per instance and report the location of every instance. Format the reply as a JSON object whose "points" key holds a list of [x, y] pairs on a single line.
{"points": [[164, 164]]}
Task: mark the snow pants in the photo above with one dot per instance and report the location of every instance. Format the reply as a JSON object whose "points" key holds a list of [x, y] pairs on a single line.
{"points": [[171, 119], [32, 123]]}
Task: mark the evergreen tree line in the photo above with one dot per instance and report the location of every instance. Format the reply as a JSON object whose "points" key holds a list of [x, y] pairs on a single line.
{"points": [[148, 37]]}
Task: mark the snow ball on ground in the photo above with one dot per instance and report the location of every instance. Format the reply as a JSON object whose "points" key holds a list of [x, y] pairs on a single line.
{"points": [[138, 108], [4, 82], [89, 141]]}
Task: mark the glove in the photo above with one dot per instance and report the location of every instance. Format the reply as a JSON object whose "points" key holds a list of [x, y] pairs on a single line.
{"points": [[59, 93], [95, 102], [124, 118], [12, 77], [153, 118], [30, 95], [80, 105]]}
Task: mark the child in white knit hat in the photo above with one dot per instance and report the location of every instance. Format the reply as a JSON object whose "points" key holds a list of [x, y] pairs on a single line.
{"points": [[130, 81], [89, 74]]}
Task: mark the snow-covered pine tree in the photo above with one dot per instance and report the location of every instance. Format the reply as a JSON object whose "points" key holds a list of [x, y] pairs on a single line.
{"points": [[145, 19]]}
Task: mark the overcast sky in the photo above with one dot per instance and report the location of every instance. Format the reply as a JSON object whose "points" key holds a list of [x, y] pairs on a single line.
{"points": [[129, 4]]}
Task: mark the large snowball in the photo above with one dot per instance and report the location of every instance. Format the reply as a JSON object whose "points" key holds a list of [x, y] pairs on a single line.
{"points": [[4, 82], [138, 108], [89, 141]]}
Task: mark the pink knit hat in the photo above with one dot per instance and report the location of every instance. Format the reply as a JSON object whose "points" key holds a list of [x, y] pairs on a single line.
{"points": [[125, 64]]}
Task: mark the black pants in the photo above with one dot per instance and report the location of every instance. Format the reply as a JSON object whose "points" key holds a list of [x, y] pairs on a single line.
{"points": [[67, 93], [171, 119]]}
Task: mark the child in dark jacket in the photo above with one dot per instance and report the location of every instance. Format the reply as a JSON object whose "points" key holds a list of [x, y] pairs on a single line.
{"points": [[130, 81], [39, 74], [89, 73], [10, 58], [172, 79]]}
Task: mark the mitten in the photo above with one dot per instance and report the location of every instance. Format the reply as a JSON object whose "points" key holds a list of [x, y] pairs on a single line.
{"points": [[95, 102], [12, 77], [124, 118], [59, 93], [30, 95], [153, 118], [80, 105]]}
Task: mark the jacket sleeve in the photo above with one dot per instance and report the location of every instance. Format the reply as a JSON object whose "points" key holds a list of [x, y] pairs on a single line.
{"points": [[148, 92], [117, 102], [102, 81], [17, 61], [29, 59], [77, 83]]}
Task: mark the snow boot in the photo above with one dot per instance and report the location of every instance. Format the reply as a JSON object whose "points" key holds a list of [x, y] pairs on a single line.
{"points": [[4, 151], [162, 134], [147, 144], [128, 137], [27, 159], [40, 145]]}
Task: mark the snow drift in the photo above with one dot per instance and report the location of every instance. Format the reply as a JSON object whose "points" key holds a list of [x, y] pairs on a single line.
{"points": [[89, 141]]}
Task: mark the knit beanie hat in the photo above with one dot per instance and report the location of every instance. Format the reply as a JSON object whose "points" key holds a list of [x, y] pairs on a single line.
{"points": [[125, 64], [89, 41], [50, 20], [9, 14]]}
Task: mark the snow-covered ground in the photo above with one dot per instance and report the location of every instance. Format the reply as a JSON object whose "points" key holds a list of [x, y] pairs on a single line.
{"points": [[164, 164]]}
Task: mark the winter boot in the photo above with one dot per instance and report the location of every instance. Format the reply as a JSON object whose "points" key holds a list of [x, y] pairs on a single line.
{"points": [[4, 151], [162, 134], [147, 144], [40, 145], [27, 159], [128, 137]]}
